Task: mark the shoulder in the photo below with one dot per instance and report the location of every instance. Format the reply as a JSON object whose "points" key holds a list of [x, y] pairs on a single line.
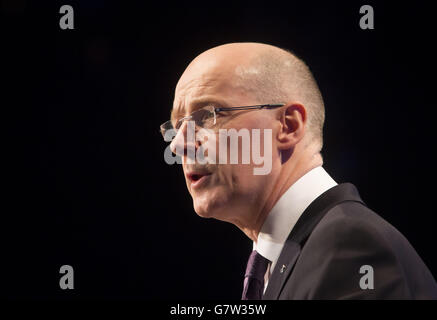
{"points": [[354, 227], [349, 237], [359, 225]]}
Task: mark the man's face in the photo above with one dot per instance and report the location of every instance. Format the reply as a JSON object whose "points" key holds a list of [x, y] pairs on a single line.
{"points": [[229, 192]]}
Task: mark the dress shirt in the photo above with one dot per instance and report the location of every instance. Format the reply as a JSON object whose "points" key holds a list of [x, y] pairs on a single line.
{"points": [[285, 213]]}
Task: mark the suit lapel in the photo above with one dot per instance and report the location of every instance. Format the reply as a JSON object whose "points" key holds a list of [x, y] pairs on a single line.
{"points": [[302, 230], [283, 267]]}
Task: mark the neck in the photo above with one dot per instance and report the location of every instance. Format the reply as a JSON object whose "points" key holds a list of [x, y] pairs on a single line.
{"points": [[291, 171]]}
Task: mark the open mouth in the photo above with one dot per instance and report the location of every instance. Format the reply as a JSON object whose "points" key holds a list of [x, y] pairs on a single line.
{"points": [[197, 179]]}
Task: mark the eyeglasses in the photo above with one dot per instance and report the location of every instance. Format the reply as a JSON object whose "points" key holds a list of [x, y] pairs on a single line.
{"points": [[205, 118]]}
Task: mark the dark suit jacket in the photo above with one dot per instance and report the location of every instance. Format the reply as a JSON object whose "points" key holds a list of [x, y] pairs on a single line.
{"points": [[334, 237]]}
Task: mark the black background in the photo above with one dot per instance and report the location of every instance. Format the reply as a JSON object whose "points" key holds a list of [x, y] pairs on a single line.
{"points": [[84, 178]]}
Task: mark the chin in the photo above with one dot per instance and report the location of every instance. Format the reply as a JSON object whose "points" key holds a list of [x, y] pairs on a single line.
{"points": [[204, 210], [209, 204], [202, 213]]}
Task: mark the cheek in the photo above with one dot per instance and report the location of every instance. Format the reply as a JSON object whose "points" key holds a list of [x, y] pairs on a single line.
{"points": [[238, 180], [246, 183]]}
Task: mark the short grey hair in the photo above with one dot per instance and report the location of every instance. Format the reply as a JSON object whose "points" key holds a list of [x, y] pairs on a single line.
{"points": [[278, 75]]}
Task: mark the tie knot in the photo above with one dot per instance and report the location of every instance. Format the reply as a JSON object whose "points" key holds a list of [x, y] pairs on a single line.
{"points": [[256, 266]]}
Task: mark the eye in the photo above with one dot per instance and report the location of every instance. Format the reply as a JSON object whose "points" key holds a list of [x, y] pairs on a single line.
{"points": [[202, 116], [205, 114]]}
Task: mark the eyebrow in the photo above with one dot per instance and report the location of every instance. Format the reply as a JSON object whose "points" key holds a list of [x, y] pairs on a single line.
{"points": [[198, 104]]}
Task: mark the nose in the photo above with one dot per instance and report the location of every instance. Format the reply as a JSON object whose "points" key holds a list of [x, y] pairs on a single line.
{"points": [[185, 141]]}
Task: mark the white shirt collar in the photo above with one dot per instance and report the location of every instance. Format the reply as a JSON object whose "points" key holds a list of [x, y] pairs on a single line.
{"points": [[284, 215]]}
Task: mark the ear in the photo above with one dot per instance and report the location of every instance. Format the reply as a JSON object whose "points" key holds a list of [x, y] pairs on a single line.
{"points": [[293, 120]]}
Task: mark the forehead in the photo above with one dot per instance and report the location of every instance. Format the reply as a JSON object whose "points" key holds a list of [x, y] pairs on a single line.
{"points": [[206, 83]]}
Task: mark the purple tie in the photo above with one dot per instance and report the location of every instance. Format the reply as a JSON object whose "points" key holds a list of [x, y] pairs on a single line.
{"points": [[254, 277]]}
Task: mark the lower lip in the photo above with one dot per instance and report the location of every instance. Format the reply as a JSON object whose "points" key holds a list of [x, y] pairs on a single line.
{"points": [[198, 183]]}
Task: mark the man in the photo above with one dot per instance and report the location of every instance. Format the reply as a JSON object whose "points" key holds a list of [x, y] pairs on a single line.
{"points": [[312, 238]]}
